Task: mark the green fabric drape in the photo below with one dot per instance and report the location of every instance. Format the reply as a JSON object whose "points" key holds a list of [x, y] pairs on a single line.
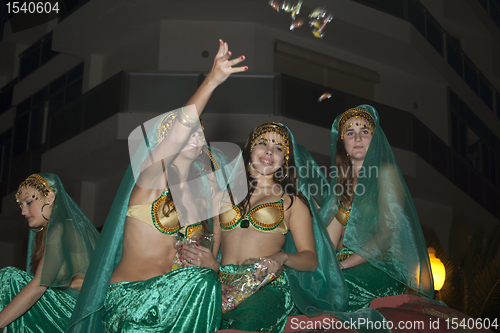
{"points": [[173, 302], [324, 289], [49, 314]]}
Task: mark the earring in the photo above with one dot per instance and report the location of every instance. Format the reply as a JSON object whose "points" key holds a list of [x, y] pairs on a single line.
{"points": [[286, 175], [46, 219], [348, 158], [37, 230]]}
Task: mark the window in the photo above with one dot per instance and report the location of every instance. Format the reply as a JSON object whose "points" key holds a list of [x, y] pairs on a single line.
{"points": [[325, 70], [472, 139], [31, 115], [36, 55]]}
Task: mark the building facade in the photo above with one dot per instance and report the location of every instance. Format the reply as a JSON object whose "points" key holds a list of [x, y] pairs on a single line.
{"points": [[74, 87]]}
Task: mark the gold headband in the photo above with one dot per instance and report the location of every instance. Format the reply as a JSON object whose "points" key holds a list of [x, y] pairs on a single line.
{"points": [[273, 127], [37, 182], [355, 113]]}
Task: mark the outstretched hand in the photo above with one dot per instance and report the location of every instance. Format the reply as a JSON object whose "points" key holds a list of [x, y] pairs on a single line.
{"points": [[223, 67]]}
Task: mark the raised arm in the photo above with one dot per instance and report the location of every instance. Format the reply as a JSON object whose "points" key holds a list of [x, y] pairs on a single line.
{"points": [[153, 168], [221, 70], [24, 300]]}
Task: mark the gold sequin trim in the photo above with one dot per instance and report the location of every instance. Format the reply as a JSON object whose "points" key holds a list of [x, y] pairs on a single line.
{"points": [[37, 182], [190, 229], [355, 113], [343, 215], [165, 125], [156, 218], [264, 226], [343, 256], [231, 224], [225, 277], [273, 127], [212, 158]]}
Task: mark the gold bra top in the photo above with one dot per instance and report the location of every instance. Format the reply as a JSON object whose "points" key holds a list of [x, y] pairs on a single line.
{"points": [[267, 217], [152, 215], [342, 215]]}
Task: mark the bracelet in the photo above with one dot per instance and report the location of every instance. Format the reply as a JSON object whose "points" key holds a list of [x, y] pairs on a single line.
{"points": [[341, 265], [185, 115], [186, 123]]}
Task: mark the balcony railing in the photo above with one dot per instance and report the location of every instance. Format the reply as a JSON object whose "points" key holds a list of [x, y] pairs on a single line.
{"points": [[415, 13]]}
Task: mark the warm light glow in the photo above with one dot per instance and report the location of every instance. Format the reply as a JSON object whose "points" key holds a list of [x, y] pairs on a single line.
{"points": [[438, 271]]}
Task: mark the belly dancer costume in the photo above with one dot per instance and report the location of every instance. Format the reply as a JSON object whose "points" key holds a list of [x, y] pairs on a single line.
{"points": [[382, 225], [183, 300], [69, 242], [266, 310], [317, 292]]}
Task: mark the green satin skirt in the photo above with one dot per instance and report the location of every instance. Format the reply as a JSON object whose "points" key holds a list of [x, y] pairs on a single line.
{"points": [[50, 313], [265, 311], [184, 300], [366, 282]]}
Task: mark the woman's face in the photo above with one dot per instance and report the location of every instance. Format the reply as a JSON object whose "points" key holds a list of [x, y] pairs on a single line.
{"points": [[31, 208], [194, 144], [268, 154], [357, 139]]}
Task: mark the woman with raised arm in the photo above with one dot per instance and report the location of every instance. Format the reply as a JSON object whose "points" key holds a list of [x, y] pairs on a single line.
{"points": [[61, 242], [373, 223], [132, 285]]}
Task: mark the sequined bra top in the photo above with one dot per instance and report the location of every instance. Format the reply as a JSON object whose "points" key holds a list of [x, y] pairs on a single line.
{"points": [[152, 214], [342, 214], [267, 217]]}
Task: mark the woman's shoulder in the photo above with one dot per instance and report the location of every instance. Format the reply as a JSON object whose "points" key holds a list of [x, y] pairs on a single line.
{"points": [[293, 202], [141, 195], [387, 170]]}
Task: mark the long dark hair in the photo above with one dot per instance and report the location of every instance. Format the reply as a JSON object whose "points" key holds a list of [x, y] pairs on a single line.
{"points": [[39, 250], [345, 172], [196, 195], [287, 184]]}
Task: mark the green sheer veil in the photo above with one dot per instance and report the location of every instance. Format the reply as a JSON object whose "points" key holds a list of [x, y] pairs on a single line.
{"points": [[69, 241], [383, 225], [86, 316], [324, 289]]}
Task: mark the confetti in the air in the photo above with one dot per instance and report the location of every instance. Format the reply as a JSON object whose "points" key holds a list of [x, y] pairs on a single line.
{"points": [[318, 19], [297, 23], [324, 96], [275, 5]]}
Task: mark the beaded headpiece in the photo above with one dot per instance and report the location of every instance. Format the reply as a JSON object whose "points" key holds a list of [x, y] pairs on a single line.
{"points": [[37, 182], [276, 128], [355, 113]]}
